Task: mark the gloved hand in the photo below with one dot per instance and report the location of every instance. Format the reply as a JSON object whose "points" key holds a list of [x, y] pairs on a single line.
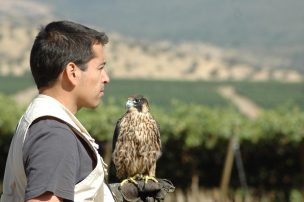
{"points": [[142, 192]]}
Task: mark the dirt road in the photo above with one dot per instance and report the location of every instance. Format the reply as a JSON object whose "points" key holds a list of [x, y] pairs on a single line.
{"points": [[245, 105]]}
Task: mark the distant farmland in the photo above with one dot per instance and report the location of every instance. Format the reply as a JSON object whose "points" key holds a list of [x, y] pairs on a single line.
{"points": [[163, 93], [265, 94], [12, 84]]}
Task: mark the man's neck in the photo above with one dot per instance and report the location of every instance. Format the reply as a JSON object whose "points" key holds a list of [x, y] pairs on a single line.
{"points": [[61, 96]]}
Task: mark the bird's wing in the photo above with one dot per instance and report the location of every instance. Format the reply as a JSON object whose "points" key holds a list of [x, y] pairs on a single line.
{"points": [[159, 140], [116, 134], [112, 170]]}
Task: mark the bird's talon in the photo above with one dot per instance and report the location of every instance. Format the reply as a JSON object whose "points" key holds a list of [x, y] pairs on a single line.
{"points": [[130, 179], [150, 178]]}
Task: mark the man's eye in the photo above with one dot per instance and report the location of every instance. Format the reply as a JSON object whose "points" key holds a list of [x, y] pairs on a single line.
{"points": [[102, 66]]}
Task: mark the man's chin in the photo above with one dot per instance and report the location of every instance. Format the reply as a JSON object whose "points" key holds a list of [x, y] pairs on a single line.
{"points": [[99, 102], [93, 105]]}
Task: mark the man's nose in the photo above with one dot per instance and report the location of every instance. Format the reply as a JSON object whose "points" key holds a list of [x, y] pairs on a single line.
{"points": [[105, 77]]}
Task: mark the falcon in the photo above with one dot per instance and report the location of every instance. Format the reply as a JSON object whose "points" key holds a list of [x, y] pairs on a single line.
{"points": [[136, 142]]}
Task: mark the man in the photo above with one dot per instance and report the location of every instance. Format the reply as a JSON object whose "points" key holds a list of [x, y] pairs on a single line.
{"points": [[52, 157]]}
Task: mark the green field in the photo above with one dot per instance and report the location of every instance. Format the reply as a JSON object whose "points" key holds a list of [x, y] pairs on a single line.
{"points": [[163, 93], [11, 84], [265, 94], [272, 94]]}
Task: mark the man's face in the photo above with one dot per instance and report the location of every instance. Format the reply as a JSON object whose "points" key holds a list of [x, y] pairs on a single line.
{"points": [[93, 80]]}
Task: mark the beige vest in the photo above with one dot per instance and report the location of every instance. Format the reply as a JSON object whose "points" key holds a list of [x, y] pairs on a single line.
{"points": [[92, 188]]}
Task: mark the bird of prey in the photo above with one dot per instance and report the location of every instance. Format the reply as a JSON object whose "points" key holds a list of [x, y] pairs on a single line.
{"points": [[136, 142]]}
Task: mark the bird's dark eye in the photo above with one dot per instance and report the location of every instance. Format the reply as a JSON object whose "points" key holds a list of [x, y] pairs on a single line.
{"points": [[136, 100]]}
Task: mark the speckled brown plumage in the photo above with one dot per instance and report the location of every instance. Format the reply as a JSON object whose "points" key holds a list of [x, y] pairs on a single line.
{"points": [[137, 144]]}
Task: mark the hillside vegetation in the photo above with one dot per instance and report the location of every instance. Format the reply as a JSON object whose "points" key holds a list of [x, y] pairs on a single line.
{"points": [[131, 58]]}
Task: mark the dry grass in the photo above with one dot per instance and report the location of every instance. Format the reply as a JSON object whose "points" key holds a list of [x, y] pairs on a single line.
{"points": [[130, 58]]}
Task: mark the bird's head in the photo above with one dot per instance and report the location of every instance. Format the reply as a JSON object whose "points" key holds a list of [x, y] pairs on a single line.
{"points": [[138, 103]]}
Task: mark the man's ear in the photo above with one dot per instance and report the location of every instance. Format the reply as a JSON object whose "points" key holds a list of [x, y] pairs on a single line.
{"points": [[72, 73]]}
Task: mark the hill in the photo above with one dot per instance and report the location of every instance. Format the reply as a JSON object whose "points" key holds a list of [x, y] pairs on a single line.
{"points": [[130, 57], [272, 28]]}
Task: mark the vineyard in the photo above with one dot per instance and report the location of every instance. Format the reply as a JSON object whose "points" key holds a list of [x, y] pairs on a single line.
{"points": [[196, 126]]}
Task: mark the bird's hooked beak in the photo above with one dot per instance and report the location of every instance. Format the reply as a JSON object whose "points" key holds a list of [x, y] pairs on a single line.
{"points": [[129, 104]]}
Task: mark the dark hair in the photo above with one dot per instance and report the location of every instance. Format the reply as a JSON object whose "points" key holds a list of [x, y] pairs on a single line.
{"points": [[59, 43]]}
